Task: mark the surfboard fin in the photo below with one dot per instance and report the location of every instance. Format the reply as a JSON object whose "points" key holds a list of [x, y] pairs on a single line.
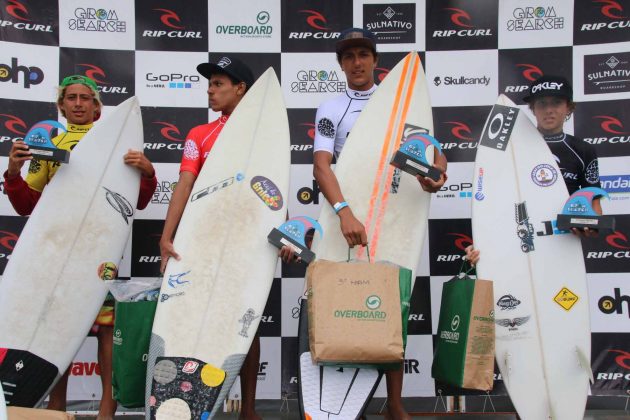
{"points": [[585, 364], [507, 367]]}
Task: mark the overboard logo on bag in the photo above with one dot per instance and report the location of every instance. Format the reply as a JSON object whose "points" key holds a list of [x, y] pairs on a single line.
{"points": [[267, 191], [372, 302], [453, 335], [499, 128]]}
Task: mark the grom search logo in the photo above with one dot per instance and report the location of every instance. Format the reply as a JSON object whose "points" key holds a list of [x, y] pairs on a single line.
{"points": [[535, 19], [89, 19], [318, 81]]}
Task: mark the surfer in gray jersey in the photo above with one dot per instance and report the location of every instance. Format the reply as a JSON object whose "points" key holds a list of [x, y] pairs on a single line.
{"points": [[229, 79], [357, 56], [550, 99]]}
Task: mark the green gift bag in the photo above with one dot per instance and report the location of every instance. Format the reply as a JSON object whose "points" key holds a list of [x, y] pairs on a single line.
{"points": [[132, 334], [464, 354]]}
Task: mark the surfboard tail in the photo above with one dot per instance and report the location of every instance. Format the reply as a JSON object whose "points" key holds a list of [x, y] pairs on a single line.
{"points": [[26, 378]]}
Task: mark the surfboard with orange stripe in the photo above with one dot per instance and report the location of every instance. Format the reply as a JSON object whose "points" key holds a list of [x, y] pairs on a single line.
{"points": [[392, 206]]}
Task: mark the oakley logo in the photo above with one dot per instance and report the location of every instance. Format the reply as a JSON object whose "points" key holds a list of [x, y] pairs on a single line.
{"points": [[168, 130], [169, 17], [316, 20], [17, 10], [458, 129], [459, 17], [530, 71], [13, 122], [607, 123]]}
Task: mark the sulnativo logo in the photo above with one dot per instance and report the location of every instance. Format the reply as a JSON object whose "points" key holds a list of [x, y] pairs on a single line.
{"points": [[614, 304], [464, 23], [30, 75], [479, 195], [508, 302], [15, 125], [392, 24], [451, 336], [268, 192], [306, 195], [613, 129], [120, 204], [614, 15], [317, 81], [211, 189], [462, 133], [97, 74], [616, 240], [460, 80], [461, 242], [163, 192], [260, 29], [318, 24], [606, 73], [372, 303], [172, 81], [172, 21], [18, 11], [544, 175], [623, 361], [534, 19], [530, 72], [88, 19]]}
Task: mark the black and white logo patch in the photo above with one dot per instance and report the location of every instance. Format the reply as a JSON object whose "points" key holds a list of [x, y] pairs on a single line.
{"points": [[326, 128], [498, 129], [120, 204], [592, 172]]}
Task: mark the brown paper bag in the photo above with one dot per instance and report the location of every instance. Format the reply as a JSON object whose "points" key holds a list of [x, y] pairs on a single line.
{"points": [[354, 312]]}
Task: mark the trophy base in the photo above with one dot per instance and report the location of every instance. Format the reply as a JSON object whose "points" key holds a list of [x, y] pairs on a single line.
{"points": [[50, 153], [412, 166], [603, 223], [279, 239]]}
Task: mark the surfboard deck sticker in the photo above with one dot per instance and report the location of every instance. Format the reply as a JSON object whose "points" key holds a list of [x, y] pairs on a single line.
{"points": [[391, 205], [212, 299], [82, 220], [541, 312]]}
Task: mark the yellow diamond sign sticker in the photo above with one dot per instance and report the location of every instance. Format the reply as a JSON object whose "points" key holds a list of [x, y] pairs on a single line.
{"points": [[566, 298]]}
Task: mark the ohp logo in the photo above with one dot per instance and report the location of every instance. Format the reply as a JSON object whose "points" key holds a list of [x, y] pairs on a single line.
{"points": [[30, 75], [614, 304]]}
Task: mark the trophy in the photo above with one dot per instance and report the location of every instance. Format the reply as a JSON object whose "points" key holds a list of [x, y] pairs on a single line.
{"points": [[578, 212], [411, 157], [38, 140], [293, 233]]}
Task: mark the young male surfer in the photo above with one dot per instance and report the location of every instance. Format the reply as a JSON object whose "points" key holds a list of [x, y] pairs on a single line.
{"points": [[229, 79], [357, 56], [79, 102], [550, 98]]}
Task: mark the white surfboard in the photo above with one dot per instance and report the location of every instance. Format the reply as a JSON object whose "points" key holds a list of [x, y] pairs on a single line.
{"points": [[212, 299], [391, 205], [542, 332], [3, 406], [52, 290]]}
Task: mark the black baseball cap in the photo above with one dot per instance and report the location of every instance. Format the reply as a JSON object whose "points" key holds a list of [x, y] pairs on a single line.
{"points": [[356, 37], [228, 65], [550, 86]]}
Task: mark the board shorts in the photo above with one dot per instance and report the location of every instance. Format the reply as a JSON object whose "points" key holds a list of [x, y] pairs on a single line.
{"points": [[105, 315]]}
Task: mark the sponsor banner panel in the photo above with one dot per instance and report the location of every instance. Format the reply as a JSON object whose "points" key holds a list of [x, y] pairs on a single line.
{"points": [[305, 195], [610, 362], [302, 130], [448, 239], [97, 24], [398, 25], [601, 72], [419, 321], [458, 129], [614, 175], [17, 118], [605, 125], [30, 72], [598, 22], [453, 200], [534, 25], [609, 296], [291, 298], [270, 321], [84, 383], [609, 253], [30, 21], [145, 248], [289, 381]]}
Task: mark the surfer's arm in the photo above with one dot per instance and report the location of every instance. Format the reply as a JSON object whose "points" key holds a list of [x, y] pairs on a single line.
{"points": [[352, 229], [174, 215], [148, 181], [22, 197]]}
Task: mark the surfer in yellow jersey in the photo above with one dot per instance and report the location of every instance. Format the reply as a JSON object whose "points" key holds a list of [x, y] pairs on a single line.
{"points": [[357, 56], [229, 79], [550, 99], [79, 102]]}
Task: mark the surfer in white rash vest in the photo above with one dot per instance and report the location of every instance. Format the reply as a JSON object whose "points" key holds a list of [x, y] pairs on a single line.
{"points": [[357, 56], [79, 102], [229, 79], [551, 100]]}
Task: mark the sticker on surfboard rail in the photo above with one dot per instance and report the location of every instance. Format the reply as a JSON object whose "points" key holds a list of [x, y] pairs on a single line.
{"points": [[268, 192], [496, 134], [566, 298]]}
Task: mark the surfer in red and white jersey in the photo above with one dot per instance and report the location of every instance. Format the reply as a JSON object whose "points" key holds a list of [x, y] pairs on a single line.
{"points": [[229, 79], [550, 99], [357, 56], [79, 102]]}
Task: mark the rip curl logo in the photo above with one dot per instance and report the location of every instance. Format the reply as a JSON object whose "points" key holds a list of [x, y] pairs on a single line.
{"points": [[16, 9], [530, 72], [169, 17], [459, 17], [224, 62], [12, 123], [95, 73], [120, 204], [315, 20], [268, 192], [168, 131]]}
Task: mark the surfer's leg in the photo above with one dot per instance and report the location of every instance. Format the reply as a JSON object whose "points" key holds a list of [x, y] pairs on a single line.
{"points": [[395, 409], [249, 379], [108, 405], [57, 400]]}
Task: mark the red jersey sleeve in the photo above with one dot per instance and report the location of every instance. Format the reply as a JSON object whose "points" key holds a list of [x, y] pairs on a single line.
{"points": [[22, 197], [147, 188]]}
